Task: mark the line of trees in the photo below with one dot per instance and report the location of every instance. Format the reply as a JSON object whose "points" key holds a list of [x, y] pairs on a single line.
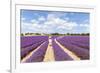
{"points": [[58, 34]]}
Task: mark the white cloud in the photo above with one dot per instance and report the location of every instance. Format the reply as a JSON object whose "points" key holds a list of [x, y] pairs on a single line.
{"points": [[59, 21], [54, 21], [84, 25], [68, 26], [33, 21], [51, 23], [41, 18]]}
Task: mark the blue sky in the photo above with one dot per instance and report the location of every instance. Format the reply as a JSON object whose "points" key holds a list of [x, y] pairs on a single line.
{"points": [[36, 21]]}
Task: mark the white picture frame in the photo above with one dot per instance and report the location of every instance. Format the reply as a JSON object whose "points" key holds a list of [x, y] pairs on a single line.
{"points": [[16, 66]]}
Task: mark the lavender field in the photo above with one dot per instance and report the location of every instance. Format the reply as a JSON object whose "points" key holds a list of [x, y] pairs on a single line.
{"points": [[49, 35], [54, 48]]}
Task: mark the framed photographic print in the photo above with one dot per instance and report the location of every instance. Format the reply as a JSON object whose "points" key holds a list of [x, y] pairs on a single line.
{"points": [[46, 36]]}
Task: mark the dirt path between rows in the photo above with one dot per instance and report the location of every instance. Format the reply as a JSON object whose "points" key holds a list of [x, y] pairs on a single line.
{"points": [[49, 56]]}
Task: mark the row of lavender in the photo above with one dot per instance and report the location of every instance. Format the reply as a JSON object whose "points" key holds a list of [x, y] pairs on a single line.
{"points": [[77, 44], [30, 40], [59, 54], [38, 56], [30, 43]]}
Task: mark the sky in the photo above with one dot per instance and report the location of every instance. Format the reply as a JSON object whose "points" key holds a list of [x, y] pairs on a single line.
{"points": [[36, 21]]}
